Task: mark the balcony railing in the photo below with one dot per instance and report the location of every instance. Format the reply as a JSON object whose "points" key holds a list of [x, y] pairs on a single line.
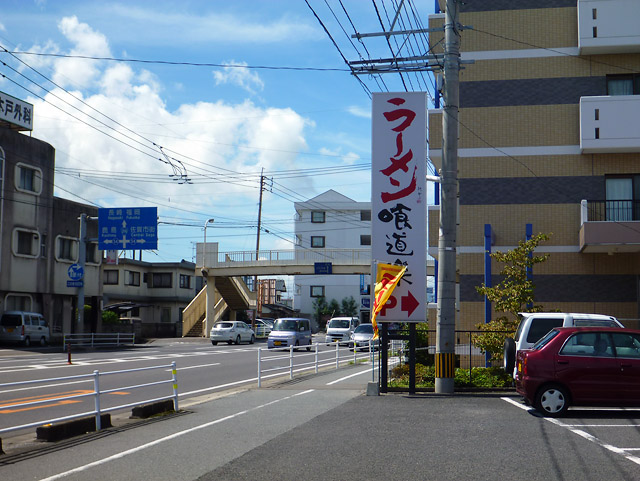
{"points": [[611, 210]]}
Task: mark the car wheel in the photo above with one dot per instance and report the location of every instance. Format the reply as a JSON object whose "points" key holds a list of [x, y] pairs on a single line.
{"points": [[253, 339], [215, 343], [509, 355], [27, 342], [552, 400], [238, 340], [229, 342], [43, 341]]}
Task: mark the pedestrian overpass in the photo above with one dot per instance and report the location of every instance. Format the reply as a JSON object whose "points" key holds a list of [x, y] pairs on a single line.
{"points": [[225, 289]]}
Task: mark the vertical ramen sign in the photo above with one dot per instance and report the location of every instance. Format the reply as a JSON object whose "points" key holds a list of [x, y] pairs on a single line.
{"points": [[398, 199]]}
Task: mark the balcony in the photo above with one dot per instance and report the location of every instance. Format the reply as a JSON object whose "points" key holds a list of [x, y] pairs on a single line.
{"points": [[610, 124], [609, 226], [608, 26]]}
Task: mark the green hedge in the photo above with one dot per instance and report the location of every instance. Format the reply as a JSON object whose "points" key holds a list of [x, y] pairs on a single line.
{"points": [[484, 377]]}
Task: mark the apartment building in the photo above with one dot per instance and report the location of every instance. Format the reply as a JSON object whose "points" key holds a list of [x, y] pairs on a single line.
{"points": [[153, 293], [549, 138], [39, 232], [332, 221]]}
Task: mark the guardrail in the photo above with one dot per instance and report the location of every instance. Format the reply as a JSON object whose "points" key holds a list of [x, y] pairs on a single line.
{"points": [[333, 358], [97, 411], [92, 339]]}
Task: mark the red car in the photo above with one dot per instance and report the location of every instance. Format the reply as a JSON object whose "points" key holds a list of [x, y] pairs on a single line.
{"points": [[594, 366]]}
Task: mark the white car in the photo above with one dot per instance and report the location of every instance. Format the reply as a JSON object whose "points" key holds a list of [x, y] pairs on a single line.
{"points": [[231, 332], [362, 337]]}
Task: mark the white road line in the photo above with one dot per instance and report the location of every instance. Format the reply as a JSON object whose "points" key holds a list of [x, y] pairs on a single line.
{"points": [[122, 454], [367, 371], [581, 433], [180, 369]]}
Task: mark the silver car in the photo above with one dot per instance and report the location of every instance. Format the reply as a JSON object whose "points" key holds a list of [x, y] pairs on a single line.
{"points": [[361, 337], [230, 332]]}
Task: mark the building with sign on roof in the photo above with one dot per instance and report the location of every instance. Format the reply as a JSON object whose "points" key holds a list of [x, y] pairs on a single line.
{"points": [[39, 232]]}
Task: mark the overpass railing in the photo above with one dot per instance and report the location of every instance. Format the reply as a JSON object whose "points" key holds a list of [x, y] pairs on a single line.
{"points": [[293, 257]]}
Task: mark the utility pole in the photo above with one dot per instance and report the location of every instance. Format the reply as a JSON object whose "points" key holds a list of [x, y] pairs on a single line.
{"points": [[82, 258], [445, 341], [255, 278]]}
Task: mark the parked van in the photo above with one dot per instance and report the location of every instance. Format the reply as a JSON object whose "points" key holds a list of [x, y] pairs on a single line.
{"points": [[24, 327], [339, 329], [290, 331], [534, 325]]}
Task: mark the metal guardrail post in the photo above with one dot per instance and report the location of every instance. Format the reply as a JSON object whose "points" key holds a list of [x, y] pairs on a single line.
{"points": [[118, 339], [316, 358], [337, 355], [290, 362], [96, 390], [259, 367], [92, 336], [174, 378]]}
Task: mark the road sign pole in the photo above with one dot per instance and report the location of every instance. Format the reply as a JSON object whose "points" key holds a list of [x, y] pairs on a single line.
{"points": [[82, 258]]}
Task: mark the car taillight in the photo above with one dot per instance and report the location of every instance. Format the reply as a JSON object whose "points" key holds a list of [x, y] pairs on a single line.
{"points": [[524, 366]]}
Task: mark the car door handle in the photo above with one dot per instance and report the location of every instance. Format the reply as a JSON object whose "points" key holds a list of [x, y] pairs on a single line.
{"points": [[563, 362]]}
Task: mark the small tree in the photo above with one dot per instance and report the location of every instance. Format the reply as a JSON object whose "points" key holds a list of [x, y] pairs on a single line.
{"points": [[320, 308], [349, 306], [110, 317], [512, 295], [333, 309]]}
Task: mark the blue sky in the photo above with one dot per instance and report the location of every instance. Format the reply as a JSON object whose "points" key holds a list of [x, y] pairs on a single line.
{"points": [[220, 123]]}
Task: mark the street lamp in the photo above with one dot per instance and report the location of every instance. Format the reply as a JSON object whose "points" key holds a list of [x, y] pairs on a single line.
{"points": [[204, 247]]}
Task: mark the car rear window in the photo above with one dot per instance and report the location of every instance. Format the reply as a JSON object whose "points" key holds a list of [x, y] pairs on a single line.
{"points": [[594, 322], [545, 340], [224, 325], [539, 327], [11, 320]]}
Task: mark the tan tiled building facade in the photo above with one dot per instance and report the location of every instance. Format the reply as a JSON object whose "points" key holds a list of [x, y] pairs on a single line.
{"points": [[549, 136]]}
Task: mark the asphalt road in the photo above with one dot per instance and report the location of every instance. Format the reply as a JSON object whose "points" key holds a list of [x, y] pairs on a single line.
{"points": [[324, 427]]}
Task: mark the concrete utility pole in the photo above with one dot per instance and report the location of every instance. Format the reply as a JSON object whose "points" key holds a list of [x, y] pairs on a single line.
{"points": [[445, 342], [82, 260], [255, 278]]}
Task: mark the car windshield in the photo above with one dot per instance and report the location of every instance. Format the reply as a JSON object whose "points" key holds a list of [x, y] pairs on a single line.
{"points": [[224, 325], [285, 325], [545, 340], [339, 323], [364, 329]]}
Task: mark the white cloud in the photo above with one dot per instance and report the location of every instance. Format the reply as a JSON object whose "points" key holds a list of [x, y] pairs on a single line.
{"points": [[359, 111], [349, 158], [239, 75]]}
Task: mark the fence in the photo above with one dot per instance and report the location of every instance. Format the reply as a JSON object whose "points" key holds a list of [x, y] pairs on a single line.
{"points": [[329, 357], [91, 339], [97, 411]]}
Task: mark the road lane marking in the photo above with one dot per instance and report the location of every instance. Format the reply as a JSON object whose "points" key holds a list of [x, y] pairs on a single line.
{"points": [[142, 447], [366, 371], [581, 433]]}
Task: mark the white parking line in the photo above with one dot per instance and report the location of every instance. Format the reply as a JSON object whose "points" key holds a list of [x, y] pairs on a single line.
{"points": [[122, 454], [589, 437]]}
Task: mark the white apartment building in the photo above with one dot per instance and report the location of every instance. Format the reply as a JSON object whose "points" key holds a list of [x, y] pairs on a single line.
{"points": [[332, 221]]}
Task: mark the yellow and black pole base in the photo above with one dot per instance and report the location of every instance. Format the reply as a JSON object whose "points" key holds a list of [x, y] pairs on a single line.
{"points": [[445, 364]]}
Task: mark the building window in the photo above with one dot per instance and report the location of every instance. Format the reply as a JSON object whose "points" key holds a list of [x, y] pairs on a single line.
{"points": [[161, 279], [66, 249], [28, 179], [365, 240], [110, 277], [365, 215], [317, 241], [92, 253], [185, 281], [18, 302], [318, 217], [626, 84], [316, 291], [132, 278], [165, 314], [26, 242], [623, 198]]}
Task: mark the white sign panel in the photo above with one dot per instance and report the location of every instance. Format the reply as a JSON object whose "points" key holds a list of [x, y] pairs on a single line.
{"points": [[399, 198], [16, 112]]}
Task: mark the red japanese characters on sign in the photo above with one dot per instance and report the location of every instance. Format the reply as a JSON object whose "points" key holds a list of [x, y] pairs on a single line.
{"points": [[398, 198]]}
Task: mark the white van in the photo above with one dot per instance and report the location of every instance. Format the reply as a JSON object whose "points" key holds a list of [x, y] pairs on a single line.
{"points": [[339, 329], [534, 325], [24, 328]]}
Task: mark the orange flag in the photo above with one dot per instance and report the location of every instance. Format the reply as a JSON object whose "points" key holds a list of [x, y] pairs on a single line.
{"points": [[387, 277]]}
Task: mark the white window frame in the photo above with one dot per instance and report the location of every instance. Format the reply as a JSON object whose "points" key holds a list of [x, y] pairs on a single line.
{"points": [[74, 249], [37, 178], [35, 241]]}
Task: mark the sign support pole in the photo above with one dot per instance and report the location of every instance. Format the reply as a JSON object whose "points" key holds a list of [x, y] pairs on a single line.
{"points": [[82, 259]]}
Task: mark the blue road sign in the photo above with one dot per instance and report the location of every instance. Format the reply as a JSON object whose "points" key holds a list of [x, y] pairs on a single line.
{"points": [[128, 228], [75, 272], [75, 283], [322, 268]]}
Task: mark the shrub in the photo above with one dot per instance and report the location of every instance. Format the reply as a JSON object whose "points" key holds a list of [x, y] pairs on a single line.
{"points": [[481, 377]]}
